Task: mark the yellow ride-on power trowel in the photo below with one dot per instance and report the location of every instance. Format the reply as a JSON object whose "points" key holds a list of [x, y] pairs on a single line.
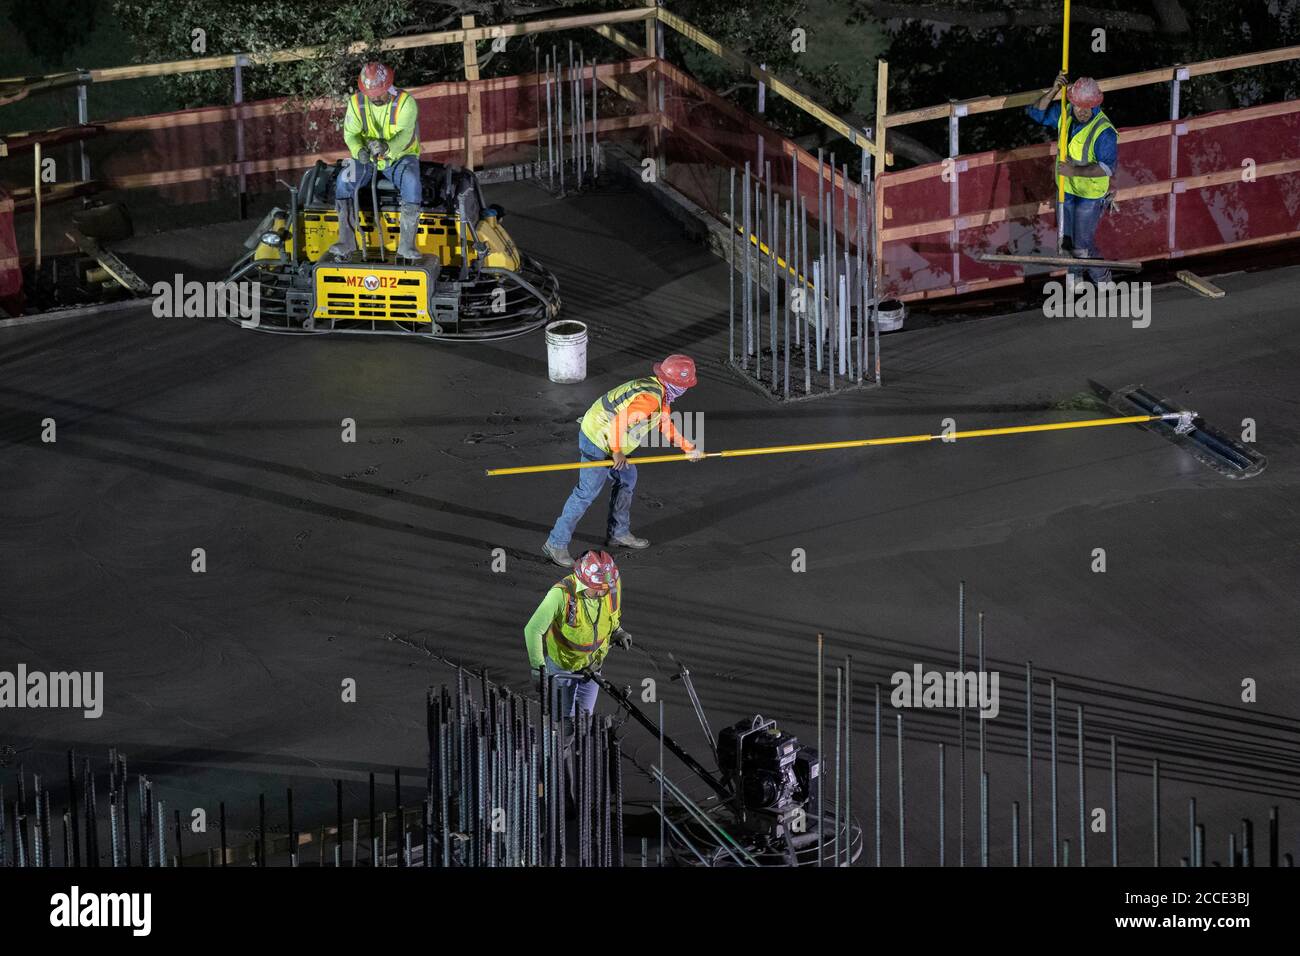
{"points": [[470, 282]]}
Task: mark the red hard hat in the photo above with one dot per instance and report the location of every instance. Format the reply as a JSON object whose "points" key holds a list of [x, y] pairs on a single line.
{"points": [[596, 569], [677, 370], [375, 79], [1084, 92]]}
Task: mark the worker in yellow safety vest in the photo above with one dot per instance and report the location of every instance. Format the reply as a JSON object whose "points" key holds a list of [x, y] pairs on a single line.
{"points": [[615, 425], [573, 629], [382, 131], [1092, 156]]}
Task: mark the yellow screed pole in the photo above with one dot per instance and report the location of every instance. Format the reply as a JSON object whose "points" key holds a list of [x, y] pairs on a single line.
{"points": [[831, 445], [1060, 122]]}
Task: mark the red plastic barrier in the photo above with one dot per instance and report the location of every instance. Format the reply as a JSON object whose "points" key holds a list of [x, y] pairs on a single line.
{"points": [[11, 277]]}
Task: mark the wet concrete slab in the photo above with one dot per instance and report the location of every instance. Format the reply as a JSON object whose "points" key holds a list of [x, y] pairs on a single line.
{"points": [[372, 560]]}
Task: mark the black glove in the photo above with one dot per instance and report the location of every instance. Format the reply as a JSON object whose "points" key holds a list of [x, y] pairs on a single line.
{"points": [[623, 639], [363, 156]]}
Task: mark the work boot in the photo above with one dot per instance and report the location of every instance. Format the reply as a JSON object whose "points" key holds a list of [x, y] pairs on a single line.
{"points": [[629, 540], [347, 243], [560, 556], [407, 227]]}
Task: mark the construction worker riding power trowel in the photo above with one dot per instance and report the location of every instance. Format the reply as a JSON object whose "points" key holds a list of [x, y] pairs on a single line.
{"points": [[382, 132]]}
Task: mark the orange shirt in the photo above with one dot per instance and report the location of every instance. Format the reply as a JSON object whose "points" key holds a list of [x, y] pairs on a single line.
{"points": [[640, 409]]}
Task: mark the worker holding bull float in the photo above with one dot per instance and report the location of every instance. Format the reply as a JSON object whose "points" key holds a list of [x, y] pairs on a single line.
{"points": [[612, 429], [382, 132], [1092, 154]]}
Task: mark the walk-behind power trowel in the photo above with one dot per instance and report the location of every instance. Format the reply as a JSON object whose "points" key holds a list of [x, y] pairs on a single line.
{"points": [[765, 804]]}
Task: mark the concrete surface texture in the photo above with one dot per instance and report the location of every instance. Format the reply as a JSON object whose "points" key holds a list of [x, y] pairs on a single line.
{"points": [[372, 560]]}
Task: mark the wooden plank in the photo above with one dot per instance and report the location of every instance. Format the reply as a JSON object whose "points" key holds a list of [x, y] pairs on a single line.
{"points": [[110, 263], [882, 116], [414, 41], [777, 86], [473, 104], [620, 40], [990, 104], [1124, 265], [1200, 286]]}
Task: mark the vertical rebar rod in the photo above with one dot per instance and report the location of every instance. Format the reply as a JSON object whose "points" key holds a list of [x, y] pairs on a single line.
{"points": [[821, 788], [162, 835], [74, 817], [112, 830], [1199, 845], [848, 760], [1114, 804], [1029, 762], [1155, 812], [961, 727], [225, 860], [877, 730], [839, 696], [1052, 721], [942, 801], [731, 270], [1083, 810], [261, 829], [979, 719], [1272, 835], [745, 310], [550, 148], [1015, 832], [662, 818], [759, 223], [902, 802], [773, 233], [1191, 830], [786, 303], [370, 829], [802, 323], [67, 839]]}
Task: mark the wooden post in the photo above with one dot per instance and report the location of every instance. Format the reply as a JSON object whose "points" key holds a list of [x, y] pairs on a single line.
{"points": [[654, 84], [36, 194], [882, 89], [474, 121]]}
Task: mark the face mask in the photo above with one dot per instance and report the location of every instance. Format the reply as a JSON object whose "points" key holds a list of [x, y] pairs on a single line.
{"points": [[672, 393]]}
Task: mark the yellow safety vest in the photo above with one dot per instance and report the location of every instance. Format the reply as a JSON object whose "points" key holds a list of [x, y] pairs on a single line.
{"points": [[1081, 147], [595, 424], [380, 122], [574, 640]]}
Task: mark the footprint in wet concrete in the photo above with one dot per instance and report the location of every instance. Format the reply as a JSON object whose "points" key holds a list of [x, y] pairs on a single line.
{"points": [[649, 501], [372, 470], [478, 438], [301, 537]]}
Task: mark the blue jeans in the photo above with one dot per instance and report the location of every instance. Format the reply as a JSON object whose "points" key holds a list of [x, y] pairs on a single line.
{"points": [[574, 692], [1080, 217], [590, 483], [404, 174]]}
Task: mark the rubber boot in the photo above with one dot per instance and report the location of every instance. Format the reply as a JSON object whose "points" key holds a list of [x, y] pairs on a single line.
{"points": [[407, 227], [347, 244]]}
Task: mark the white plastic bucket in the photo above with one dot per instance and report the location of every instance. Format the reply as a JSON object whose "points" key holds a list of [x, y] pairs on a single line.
{"points": [[566, 351], [890, 314]]}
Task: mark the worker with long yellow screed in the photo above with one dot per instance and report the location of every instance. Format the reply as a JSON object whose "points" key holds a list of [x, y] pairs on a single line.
{"points": [[615, 426], [1085, 166], [1185, 424]]}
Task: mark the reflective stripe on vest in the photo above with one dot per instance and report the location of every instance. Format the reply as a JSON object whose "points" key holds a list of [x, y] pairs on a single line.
{"points": [[389, 127], [568, 649], [595, 424], [1082, 149]]}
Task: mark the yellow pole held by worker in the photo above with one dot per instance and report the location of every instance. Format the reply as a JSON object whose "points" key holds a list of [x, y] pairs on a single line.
{"points": [[832, 445], [1060, 125]]}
